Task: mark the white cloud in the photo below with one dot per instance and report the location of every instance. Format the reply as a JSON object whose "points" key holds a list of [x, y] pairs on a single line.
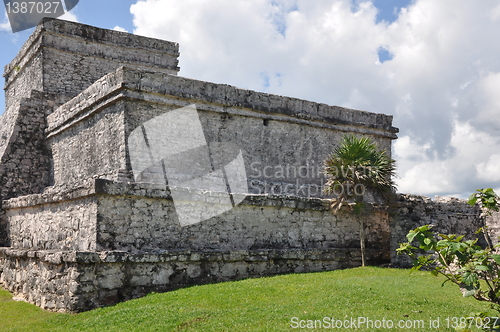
{"points": [[442, 86], [69, 16], [489, 89], [495, 13], [472, 166], [5, 25], [119, 28], [490, 170]]}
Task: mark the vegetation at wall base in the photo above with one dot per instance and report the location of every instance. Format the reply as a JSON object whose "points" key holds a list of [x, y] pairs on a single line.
{"points": [[471, 267], [267, 304]]}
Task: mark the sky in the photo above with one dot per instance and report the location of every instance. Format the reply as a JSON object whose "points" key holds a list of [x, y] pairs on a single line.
{"points": [[433, 65]]}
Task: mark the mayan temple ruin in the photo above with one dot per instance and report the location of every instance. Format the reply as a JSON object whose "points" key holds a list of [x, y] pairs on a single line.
{"points": [[119, 178]]}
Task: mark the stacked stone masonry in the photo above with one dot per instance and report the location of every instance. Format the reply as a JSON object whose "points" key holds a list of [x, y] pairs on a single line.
{"points": [[64, 58], [129, 217], [81, 230], [72, 281], [447, 215]]}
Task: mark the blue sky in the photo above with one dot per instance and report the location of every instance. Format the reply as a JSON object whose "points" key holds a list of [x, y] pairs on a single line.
{"points": [[433, 65], [388, 10]]}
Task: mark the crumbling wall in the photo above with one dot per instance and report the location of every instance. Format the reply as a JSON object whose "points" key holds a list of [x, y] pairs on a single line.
{"points": [[64, 58], [284, 143], [25, 162], [24, 156], [69, 281], [104, 215], [448, 215], [57, 62], [493, 225]]}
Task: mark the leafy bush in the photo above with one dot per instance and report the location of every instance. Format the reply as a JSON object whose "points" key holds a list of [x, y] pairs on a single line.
{"points": [[474, 269]]}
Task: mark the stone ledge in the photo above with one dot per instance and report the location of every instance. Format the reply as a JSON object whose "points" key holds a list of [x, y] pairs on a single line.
{"points": [[161, 256], [76, 281], [107, 90], [84, 33], [224, 94], [109, 37], [93, 187], [103, 91]]}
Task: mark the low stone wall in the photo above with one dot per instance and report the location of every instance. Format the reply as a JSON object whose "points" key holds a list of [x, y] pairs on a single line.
{"points": [[69, 281], [103, 242], [448, 215], [265, 235], [493, 224], [106, 215]]}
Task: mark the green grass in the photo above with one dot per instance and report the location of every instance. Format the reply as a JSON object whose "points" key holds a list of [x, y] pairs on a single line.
{"points": [[266, 304]]}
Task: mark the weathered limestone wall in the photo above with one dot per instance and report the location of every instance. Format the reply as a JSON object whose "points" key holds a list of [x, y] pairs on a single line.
{"points": [[493, 223], [86, 60], [449, 215], [270, 130], [25, 161], [24, 157], [24, 75], [58, 61], [94, 147], [63, 225], [128, 217], [70, 281], [64, 58], [259, 222], [280, 235]]}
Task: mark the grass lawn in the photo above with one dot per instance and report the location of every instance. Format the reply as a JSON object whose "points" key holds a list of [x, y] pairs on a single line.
{"points": [[268, 304]]}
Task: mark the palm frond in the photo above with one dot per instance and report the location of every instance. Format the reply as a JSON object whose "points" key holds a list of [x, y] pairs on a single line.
{"points": [[359, 161]]}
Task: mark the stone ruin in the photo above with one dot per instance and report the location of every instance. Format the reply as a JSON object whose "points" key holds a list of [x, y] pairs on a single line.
{"points": [[119, 178]]}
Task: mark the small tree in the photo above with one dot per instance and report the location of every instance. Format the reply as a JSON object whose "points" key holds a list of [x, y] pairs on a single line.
{"points": [[476, 270], [355, 167]]}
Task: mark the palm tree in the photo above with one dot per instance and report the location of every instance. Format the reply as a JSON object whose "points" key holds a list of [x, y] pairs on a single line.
{"points": [[358, 166]]}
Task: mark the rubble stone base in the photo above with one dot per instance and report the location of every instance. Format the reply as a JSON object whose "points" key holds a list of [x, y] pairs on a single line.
{"points": [[72, 281]]}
